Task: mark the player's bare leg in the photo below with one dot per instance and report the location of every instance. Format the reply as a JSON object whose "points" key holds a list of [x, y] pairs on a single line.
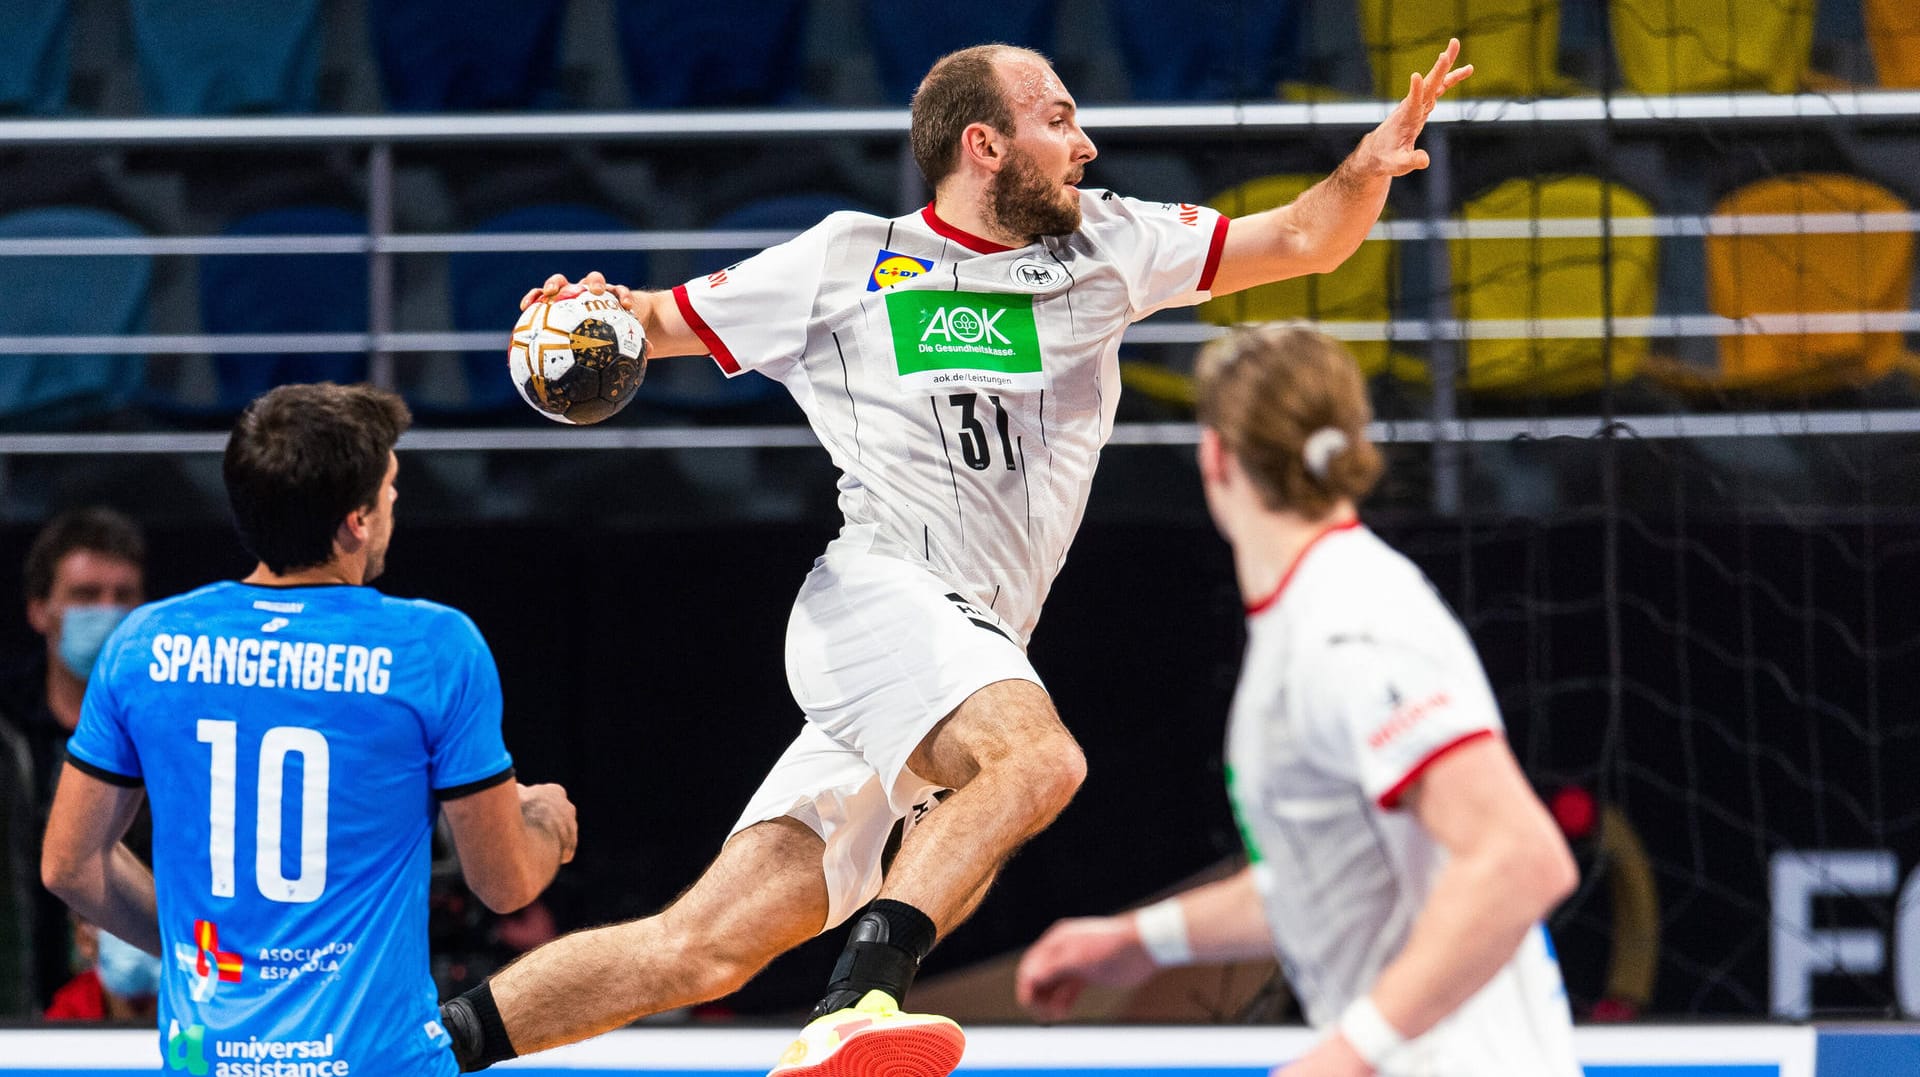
{"points": [[763, 895], [1012, 767]]}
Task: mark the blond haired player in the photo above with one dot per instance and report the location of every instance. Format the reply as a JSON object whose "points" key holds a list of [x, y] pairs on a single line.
{"points": [[1400, 863], [960, 365]]}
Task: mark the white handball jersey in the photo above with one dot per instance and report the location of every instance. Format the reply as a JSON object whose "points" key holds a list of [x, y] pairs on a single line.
{"points": [[964, 389], [1356, 679]]}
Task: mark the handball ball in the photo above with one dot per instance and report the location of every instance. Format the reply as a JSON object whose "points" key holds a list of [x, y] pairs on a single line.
{"points": [[579, 357]]}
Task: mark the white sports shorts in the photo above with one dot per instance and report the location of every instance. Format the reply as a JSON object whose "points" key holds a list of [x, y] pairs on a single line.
{"points": [[879, 650]]}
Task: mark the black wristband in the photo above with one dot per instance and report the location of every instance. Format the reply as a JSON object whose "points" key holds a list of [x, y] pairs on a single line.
{"points": [[479, 1035]]}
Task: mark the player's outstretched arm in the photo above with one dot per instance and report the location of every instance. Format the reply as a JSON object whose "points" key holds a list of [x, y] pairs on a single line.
{"points": [[667, 330], [512, 839], [1326, 224], [1507, 868], [84, 862], [1219, 922]]}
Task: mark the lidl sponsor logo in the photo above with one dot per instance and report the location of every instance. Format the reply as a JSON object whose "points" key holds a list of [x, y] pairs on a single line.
{"points": [[943, 339], [890, 269]]}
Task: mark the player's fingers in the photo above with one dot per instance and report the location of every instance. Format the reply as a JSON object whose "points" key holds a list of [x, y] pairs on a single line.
{"points": [[1456, 77], [554, 284], [595, 282], [1416, 161], [625, 295], [534, 295]]}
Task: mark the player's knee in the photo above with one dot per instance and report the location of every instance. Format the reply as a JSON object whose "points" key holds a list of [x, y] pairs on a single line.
{"points": [[1051, 776]]}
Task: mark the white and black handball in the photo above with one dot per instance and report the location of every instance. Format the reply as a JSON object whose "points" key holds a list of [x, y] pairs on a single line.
{"points": [[578, 357]]}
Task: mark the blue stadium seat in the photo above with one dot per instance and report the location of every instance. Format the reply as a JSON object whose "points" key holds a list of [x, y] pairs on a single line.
{"points": [[909, 35], [1210, 50], [33, 58], [213, 57], [486, 287], [285, 293], [467, 55], [744, 52], [49, 390]]}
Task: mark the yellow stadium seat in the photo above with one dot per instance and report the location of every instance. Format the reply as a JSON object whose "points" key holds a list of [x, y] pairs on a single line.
{"points": [[1893, 33], [1713, 46], [1809, 273], [1514, 44], [1361, 290], [1531, 277]]}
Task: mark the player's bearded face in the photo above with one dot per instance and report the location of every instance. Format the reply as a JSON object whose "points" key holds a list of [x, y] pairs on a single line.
{"points": [[1026, 201]]}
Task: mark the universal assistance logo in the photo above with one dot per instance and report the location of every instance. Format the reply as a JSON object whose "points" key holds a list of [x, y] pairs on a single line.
{"points": [[890, 269], [984, 339], [189, 1051]]}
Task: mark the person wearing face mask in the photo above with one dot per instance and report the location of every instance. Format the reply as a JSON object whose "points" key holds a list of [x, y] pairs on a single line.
{"points": [[84, 572], [122, 984]]}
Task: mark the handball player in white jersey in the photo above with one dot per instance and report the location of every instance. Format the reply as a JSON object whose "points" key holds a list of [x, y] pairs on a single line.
{"points": [[1400, 864], [960, 365]]}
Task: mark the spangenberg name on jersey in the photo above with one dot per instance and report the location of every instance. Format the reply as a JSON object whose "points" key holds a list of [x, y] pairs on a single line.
{"points": [[271, 663]]}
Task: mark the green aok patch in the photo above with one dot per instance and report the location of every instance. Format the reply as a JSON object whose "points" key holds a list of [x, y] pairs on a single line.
{"points": [[941, 333]]}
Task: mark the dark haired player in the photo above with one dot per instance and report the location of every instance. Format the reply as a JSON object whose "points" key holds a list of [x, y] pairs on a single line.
{"points": [[296, 733], [960, 365]]}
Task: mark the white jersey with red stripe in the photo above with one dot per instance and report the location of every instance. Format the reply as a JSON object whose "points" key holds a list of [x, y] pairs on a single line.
{"points": [[964, 389], [1356, 679]]}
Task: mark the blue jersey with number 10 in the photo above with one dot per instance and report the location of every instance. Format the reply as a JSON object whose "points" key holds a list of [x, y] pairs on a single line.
{"points": [[294, 744]]}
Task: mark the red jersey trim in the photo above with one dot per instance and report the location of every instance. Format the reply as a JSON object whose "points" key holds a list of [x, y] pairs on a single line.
{"points": [[1390, 799], [965, 239], [1218, 245], [1287, 577], [701, 329]]}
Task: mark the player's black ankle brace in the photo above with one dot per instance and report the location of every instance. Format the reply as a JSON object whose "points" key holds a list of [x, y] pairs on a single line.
{"points": [[479, 1035], [883, 952]]}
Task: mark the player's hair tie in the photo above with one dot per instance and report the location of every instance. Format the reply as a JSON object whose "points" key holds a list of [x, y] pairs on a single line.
{"points": [[1321, 447]]}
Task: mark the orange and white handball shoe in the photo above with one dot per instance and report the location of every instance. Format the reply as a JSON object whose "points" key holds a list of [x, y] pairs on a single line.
{"points": [[872, 1038]]}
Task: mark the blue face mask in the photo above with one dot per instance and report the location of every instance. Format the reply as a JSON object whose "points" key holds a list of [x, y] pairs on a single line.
{"points": [[127, 971], [83, 631]]}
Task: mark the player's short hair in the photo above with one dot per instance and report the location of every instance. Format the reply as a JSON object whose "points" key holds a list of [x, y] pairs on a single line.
{"points": [[300, 459], [961, 88], [1267, 390], [95, 529]]}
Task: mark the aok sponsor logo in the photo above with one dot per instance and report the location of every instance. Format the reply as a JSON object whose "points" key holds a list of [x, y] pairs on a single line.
{"points": [[942, 339]]}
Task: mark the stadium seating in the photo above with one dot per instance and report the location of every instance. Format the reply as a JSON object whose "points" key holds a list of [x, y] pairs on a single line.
{"points": [[486, 289], [285, 293], [1809, 272], [745, 52], [1211, 50], [1711, 46], [1517, 41], [1533, 277], [33, 58], [215, 57], [1361, 290], [467, 55], [909, 35], [40, 391], [1893, 33]]}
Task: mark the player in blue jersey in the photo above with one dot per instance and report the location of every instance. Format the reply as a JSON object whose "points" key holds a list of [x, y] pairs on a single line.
{"points": [[297, 732]]}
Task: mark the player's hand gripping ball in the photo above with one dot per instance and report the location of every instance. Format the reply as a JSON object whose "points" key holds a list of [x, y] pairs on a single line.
{"points": [[579, 357]]}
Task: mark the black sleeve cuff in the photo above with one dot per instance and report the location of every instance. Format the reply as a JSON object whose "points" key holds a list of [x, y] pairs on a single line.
{"points": [[470, 788], [125, 781]]}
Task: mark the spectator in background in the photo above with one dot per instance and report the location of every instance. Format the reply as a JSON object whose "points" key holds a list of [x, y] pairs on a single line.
{"points": [[85, 571], [121, 983]]}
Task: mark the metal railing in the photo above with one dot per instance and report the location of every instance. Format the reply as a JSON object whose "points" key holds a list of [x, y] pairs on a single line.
{"points": [[1439, 330]]}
